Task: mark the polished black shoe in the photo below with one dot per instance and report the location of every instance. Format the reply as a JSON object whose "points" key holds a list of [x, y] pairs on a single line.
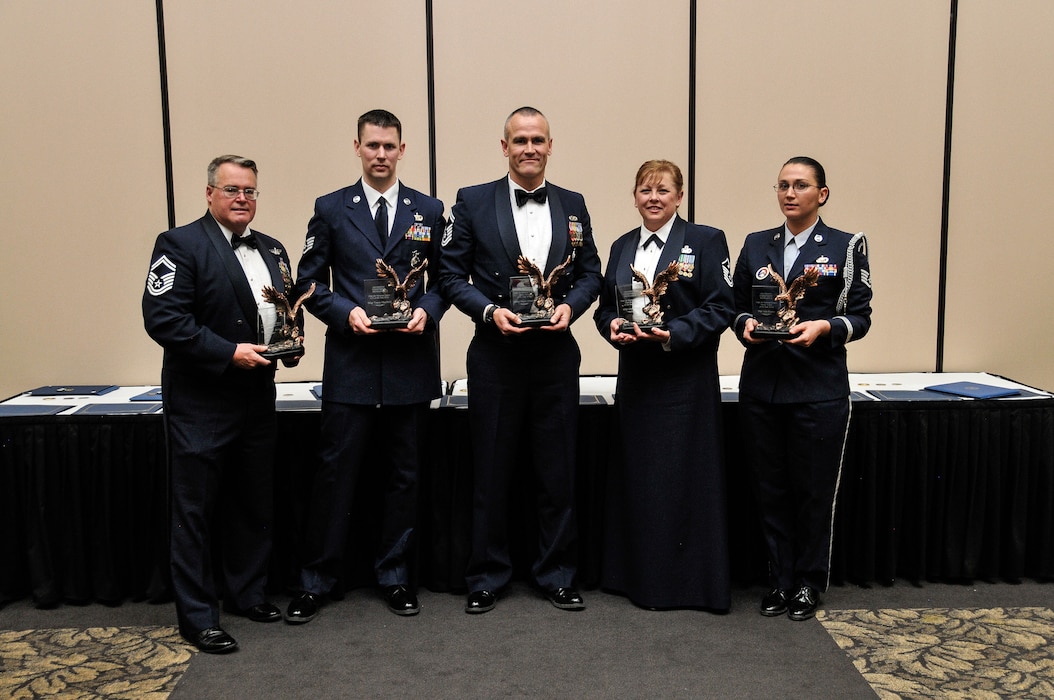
{"points": [[401, 601], [302, 609], [264, 612], [804, 603], [566, 599], [212, 640], [480, 602], [774, 604]]}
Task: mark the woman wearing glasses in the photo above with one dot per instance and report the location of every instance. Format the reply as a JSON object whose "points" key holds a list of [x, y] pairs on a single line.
{"points": [[794, 391], [667, 538]]}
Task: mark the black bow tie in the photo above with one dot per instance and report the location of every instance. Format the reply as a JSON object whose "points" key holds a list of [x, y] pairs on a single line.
{"points": [[249, 239], [522, 196], [654, 238]]}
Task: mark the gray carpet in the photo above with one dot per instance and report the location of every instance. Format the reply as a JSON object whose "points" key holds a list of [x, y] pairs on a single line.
{"points": [[527, 648]]}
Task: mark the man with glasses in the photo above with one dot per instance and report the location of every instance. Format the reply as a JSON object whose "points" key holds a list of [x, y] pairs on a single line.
{"points": [[376, 381], [204, 305]]}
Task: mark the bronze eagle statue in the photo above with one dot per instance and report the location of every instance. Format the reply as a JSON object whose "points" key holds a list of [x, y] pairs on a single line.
{"points": [[655, 290], [543, 302], [400, 303], [793, 293], [289, 331]]}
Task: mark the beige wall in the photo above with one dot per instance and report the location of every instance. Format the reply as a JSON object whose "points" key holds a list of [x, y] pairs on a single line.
{"points": [[1000, 240], [860, 86]]}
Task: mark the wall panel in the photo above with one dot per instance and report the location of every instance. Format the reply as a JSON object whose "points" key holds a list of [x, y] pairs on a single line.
{"points": [[860, 87], [284, 83], [999, 244], [81, 163], [610, 76]]}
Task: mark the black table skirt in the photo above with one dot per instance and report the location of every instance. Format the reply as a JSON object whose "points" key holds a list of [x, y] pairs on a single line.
{"points": [[930, 491]]}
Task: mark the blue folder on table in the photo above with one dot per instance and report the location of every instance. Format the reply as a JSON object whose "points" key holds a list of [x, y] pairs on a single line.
{"points": [[28, 409], [73, 390], [911, 395], [973, 390], [152, 395]]}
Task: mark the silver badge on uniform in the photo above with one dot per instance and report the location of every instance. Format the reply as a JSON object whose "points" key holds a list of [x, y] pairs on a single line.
{"points": [[308, 244]]}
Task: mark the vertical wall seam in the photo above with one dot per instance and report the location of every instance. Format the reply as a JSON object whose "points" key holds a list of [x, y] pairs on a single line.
{"points": [[692, 40], [430, 58], [166, 120], [942, 288]]}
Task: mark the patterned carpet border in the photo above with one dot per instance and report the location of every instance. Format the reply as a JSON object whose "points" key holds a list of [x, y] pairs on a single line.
{"points": [[111, 662], [949, 653]]}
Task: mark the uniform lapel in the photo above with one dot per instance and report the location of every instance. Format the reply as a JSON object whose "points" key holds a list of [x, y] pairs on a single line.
{"points": [[561, 234], [810, 250], [674, 243], [775, 254], [623, 275], [506, 224], [361, 217], [245, 296], [405, 208]]}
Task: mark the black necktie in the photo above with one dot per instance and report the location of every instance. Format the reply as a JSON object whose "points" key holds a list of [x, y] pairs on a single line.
{"points": [[248, 239], [522, 196], [382, 219], [654, 238]]}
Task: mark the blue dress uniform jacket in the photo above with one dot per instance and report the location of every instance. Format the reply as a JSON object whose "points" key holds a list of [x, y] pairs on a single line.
{"points": [[523, 389], [340, 253], [219, 420], [666, 544], [781, 373], [198, 305], [482, 247]]}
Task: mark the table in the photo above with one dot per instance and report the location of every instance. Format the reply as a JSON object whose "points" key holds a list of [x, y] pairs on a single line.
{"points": [[941, 489]]}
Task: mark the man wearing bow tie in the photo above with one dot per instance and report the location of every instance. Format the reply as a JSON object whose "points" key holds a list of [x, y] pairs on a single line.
{"points": [[523, 381], [376, 383], [203, 304]]}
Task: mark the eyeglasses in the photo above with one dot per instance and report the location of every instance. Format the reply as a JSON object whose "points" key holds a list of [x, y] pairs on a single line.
{"points": [[231, 192], [799, 187]]}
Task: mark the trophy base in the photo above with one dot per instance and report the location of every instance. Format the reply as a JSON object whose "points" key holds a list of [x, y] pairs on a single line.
{"points": [[644, 327], [535, 321], [771, 333], [281, 352], [387, 324]]}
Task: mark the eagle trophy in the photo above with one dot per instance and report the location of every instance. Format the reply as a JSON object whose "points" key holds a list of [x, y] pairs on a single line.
{"points": [[543, 306], [287, 331], [400, 304], [654, 291], [792, 294]]}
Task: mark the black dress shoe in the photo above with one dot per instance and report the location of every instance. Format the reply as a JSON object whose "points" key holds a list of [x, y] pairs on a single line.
{"points": [[401, 601], [480, 602], [264, 612], [212, 640], [302, 609], [804, 603], [566, 599], [774, 604]]}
